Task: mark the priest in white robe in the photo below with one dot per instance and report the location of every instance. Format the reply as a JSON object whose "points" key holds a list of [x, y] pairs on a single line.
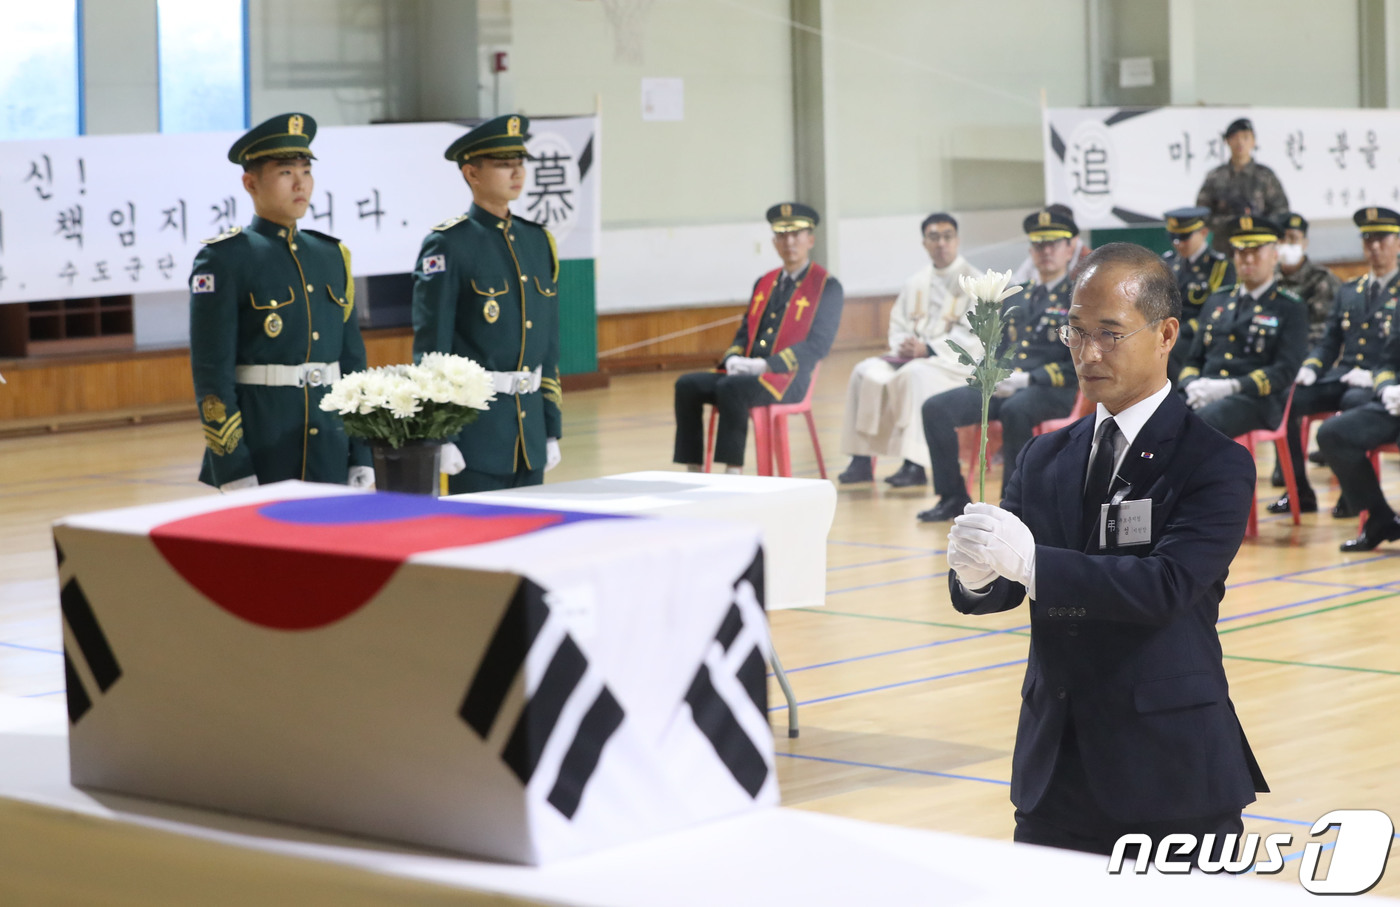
{"points": [[885, 392]]}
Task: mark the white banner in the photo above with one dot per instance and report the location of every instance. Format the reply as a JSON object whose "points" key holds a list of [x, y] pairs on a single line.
{"points": [[111, 215], [1119, 167]]}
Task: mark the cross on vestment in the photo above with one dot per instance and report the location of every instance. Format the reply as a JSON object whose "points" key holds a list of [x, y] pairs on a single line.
{"points": [[801, 304]]}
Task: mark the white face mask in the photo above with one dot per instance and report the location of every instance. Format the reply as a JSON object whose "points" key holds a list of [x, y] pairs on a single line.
{"points": [[1289, 255]]}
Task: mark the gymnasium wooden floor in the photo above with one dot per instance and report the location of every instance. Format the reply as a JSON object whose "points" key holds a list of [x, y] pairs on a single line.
{"points": [[908, 708]]}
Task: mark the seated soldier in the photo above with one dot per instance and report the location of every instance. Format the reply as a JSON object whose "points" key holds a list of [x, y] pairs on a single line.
{"points": [[885, 392], [1342, 371], [1251, 341], [1199, 271], [792, 318], [1043, 385]]}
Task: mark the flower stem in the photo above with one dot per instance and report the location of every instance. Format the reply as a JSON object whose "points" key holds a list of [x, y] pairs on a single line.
{"points": [[982, 448]]}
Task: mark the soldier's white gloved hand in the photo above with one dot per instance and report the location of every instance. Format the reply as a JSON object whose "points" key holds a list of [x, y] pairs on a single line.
{"points": [[1011, 384], [1209, 390], [999, 539], [245, 482], [450, 459], [972, 572], [360, 477], [741, 365], [1307, 376], [1357, 377], [1390, 397], [552, 456]]}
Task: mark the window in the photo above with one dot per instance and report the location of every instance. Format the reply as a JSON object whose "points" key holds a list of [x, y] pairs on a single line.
{"points": [[202, 48], [40, 93]]}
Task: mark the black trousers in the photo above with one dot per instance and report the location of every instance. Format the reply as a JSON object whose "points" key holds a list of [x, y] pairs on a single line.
{"points": [[469, 480], [1236, 415], [1345, 440], [1069, 817], [1323, 397], [1019, 413], [733, 396]]}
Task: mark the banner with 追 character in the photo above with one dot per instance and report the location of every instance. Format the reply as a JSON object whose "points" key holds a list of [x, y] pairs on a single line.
{"points": [[1120, 167]]}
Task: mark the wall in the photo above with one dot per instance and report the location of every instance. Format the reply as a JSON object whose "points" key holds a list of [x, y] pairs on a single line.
{"points": [[121, 94]]}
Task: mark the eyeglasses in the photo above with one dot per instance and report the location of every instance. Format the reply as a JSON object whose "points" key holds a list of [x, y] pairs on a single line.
{"points": [[1104, 341]]}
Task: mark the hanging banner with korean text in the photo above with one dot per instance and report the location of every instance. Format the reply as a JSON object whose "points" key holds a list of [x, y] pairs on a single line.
{"points": [[1118, 167], [111, 215]]}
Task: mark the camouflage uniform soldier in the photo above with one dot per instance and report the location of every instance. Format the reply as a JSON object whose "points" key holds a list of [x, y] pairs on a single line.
{"points": [[1240, 186], [1314, 284]]}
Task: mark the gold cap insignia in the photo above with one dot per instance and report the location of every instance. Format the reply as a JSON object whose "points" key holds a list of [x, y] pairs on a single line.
{"points": [[1246, 223], [294, 124], [272, 324], [1173, 223], [513, 126], [1295, 221], [786, 211], [212, 408], [1370, 213], [1045, 218]]}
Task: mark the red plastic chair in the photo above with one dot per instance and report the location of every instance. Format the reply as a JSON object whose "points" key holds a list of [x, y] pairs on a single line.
{"points": [[770, 433], [1279, 437]]}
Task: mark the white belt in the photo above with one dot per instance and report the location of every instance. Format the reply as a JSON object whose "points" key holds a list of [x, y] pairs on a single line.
{"points": [[314, 374], [516, 382]]}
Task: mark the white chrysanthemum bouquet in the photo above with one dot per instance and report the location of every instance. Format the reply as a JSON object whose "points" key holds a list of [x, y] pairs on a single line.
{"points": [[429, 401], [989, 291]]}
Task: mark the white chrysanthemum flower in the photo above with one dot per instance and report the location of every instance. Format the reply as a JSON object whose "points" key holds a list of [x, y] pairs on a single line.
{"points": [[403, 401], [990, 287]]}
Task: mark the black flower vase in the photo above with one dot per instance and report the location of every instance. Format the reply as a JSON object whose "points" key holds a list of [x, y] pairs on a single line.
{"points": [[411, 469]]}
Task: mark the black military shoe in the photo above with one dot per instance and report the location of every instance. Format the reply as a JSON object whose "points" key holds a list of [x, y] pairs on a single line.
{"points": [[1343, 511], [1307, 503], [1374, 533], [1316, 457], [1276, 479], [859, 470], [945, 509], [909, 475]]}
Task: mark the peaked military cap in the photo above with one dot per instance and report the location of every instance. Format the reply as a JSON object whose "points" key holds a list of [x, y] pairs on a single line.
{"points": [[788, 217], [286, 135], [1186, 220], [1295, 221], [1051, 223], [1240, 125], [1377, 220], [502, 137], [1247, 232]]}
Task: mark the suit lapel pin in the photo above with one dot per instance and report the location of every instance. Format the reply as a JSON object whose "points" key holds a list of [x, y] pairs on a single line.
{"points": [[1146, 455]]}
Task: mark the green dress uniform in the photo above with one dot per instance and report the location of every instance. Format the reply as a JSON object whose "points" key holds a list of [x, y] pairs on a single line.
{"points": [[1197, 277], [486, 287], [272, 323]]}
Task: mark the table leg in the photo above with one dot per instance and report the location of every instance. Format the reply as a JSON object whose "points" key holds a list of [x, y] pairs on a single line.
{"points": [[787, 689]]}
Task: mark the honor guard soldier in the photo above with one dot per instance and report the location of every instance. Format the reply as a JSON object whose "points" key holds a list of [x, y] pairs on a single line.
{"points": [[485, 286], [1043, 385], [272, 325], [792, 318], [1241, 186], [1345, 369], [1251, 341], [1199, 271]]}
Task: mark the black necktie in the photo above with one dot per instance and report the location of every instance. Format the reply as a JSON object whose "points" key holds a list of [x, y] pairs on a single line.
{"points": [[1373, 294], [1100, 474]]}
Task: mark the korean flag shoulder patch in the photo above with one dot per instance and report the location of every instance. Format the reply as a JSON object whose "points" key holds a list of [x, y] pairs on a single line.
{"points": [[202, 283], [434, 264]]}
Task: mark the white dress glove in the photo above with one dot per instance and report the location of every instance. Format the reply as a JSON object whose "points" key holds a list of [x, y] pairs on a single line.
{"points": [[1307, 376], [1357, 377], [245, 482], [971, 572], [450, 459], [1390, 397], [741, 365], [1011, 384], [361, 477], [552, 456], [998, 538], [1206, 391]]}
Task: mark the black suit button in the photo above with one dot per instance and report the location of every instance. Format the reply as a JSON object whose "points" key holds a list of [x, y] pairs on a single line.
{"points": [[1073, 629], [1061, 693]]}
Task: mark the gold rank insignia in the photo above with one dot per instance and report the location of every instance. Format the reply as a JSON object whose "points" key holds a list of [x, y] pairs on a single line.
{"points": [[513, 126], [491, 311], [1045, 218], [212, 408], [787, 210], [294, 124], [1246, 223], [227, 234], [272, 324]]}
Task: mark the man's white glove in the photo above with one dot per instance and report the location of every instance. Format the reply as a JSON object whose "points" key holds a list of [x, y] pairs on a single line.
{"points": [[1390, 397], [361, 477], [741, 365], [450, 459], [1205, 391], [1011, 384], [245, 482], [552, 456], [999, 539], [971, 572], [1307, 376], [1357, 377]]}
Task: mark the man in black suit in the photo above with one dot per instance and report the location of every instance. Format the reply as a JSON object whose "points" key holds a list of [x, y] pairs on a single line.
{"points": [[1120, 530]]}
